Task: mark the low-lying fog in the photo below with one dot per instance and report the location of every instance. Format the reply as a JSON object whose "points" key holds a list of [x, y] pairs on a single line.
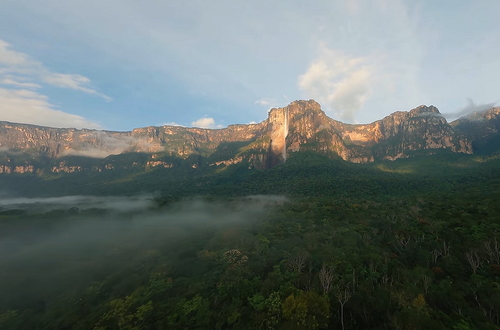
{"points": [[52, 245], [110, 203]]}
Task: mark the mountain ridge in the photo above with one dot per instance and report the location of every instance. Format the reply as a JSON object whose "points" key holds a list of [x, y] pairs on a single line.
{"points": [[300, 126]]}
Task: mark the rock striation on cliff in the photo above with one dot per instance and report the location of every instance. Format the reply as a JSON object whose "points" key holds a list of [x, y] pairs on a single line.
{"points": [[300, 126], [396, 136]]}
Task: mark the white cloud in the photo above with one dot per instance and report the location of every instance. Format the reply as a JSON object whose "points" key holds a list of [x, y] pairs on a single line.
{"points": [[26, 106], [205, 123], [17, 66], [72, 81], [171, 124], [20, 74], [12, 58], [338, 81], [9, 80]]}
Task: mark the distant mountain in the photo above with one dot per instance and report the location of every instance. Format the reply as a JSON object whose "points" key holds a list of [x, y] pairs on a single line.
{"points": [[301, 126], [482, 128]]}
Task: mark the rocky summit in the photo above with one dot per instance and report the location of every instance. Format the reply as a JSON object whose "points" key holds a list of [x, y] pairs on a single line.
{"points": [[300, 126]]}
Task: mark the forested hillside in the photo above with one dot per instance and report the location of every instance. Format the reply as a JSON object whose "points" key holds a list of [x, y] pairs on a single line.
{"points": [[312, 244]]}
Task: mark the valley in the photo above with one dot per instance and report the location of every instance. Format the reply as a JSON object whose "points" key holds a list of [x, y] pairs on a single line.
{"points": [[273, 232]]}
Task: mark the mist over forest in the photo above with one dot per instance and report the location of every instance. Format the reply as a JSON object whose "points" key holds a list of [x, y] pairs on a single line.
{"points": [[314, 243], [57, 246]]}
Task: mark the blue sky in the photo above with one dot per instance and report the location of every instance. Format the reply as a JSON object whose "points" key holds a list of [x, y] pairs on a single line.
{"points": [[120, 64]]}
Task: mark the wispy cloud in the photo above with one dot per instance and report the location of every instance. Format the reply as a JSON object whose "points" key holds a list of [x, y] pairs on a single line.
{"points": [[205, 122], [72, 81], [369, 61], [13, 59], [15, 66], [21, 75], [468, 109], [27, 106], [339, 81], [17, 82]]}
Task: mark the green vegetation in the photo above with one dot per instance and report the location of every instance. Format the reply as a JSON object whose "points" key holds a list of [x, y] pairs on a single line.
{"points": [[410, 244]]}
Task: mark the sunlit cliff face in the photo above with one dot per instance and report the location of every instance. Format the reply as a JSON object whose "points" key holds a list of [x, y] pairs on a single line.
{"points": [[278, 128], [304, 126], [301, 126]]}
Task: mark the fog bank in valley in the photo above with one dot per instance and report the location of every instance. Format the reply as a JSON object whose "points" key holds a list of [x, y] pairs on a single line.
{"points": [[61, 245], [110, 203]]}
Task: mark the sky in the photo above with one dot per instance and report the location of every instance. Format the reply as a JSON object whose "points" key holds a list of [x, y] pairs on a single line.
{"points": [[123, 64]]}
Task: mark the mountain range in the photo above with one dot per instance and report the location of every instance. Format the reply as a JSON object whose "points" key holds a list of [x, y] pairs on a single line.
{"points": [[300, 126]]}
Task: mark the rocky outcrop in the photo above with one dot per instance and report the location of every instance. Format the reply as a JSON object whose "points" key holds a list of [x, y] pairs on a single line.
{"points": [[421, 129], [304, 126], [300, 126]]}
